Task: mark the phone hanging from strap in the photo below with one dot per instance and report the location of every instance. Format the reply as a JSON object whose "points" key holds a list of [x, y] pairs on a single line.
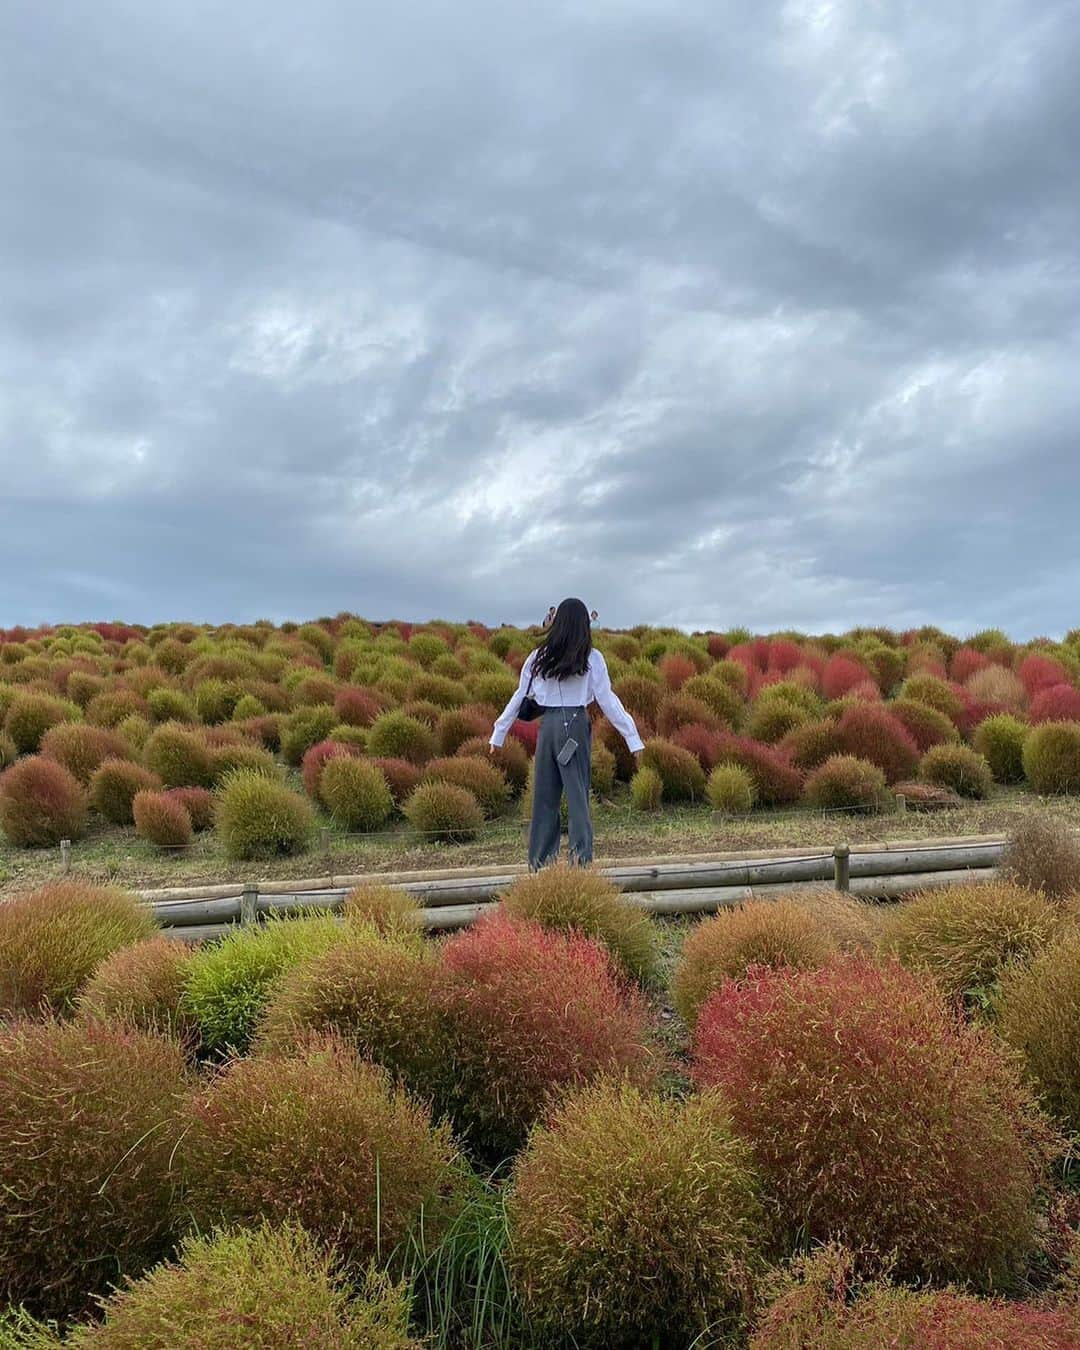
{"points": [[566, 754]]}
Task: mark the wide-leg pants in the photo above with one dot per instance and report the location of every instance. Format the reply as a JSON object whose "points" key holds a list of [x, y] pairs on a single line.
{"points": [[551, 779]]}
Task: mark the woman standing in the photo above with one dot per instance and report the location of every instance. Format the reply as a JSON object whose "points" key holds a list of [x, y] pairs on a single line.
{"points": [[564, 675]]}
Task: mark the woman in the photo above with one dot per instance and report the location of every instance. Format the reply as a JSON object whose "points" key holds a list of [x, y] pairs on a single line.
{"points": [[564, 675]]}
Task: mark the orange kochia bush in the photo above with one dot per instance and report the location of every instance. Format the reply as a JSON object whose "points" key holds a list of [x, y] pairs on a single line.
{"points": [[879, 1119]]}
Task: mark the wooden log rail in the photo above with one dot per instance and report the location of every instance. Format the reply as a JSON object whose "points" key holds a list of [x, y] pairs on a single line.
{"points": [[660, 888]]}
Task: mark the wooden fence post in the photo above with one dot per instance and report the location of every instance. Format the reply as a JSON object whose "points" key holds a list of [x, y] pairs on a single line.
{"points": [[901, 802], [249, 900], [65, 856], [842, 867]]}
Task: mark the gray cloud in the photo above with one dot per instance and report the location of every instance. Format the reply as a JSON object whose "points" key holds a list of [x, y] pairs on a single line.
{"points": [[713, 316]]}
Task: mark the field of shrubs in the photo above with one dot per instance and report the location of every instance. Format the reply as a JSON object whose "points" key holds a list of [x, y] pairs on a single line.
{"points": [[805, 1122], [263, 739]]}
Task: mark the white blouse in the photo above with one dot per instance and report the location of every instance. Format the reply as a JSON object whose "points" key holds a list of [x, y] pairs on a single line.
{"points": [[576, 691]]}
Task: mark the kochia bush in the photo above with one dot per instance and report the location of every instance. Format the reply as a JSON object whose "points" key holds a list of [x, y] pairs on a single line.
{"points": [[31, 715], [251, 1289], [958, 767], [322, 1139], [1051, 757], [635, 1220], [355, 793], [569, 899], [444, 812], [81, 749], [880, 1120], [1000, 740], [161, 819], [871, 732], [777, 782], [140, 988], [40, 803], [730, 788], [530, 1014], [52, 940], [1040, 1017], [180, 756], [88, 1125], [1043, 854], [395, 735], [259, 817], [846, 782], [113, 788], [482, 779], [680, 772]]}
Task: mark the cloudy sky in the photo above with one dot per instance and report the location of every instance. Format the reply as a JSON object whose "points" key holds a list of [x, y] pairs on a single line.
{"points": [[713, 314]]}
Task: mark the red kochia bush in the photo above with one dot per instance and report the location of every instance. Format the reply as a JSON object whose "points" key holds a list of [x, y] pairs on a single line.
{"points": [[40, 803], [879, 1119], [161, 819], [675, 669], [841, 674], [530, 1013], [356, 707], [401, 777], [1038, 672], [702, 742], [88, 1126], [1055, 703], [315, 760], [871, 732], [197, 802], [81, 748], [776, 779]]}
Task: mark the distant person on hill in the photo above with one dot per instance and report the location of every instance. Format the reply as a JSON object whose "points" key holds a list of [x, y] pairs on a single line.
{"points": [[559, 679]]}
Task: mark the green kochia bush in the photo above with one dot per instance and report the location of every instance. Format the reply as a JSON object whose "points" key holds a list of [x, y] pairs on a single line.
{"points": [[444, 811], [964, 936], [646, 790], [180, 756], [483, 780], [140, 988], [680, 771], [636, 1221], [1051, 757], [355, 793], [879, 1119], [260, 817], [1000, 740], [52, 940], [31, 715], [89, 1122], [304, 728], [322, 1139], [1040, 1017], [958, 767], [114, 786], [730, 788], [251, 1289], [395, 735], [229, 984], [573, 899]]}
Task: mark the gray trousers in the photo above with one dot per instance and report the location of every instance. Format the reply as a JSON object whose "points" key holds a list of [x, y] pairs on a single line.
{"points": [[551, 779]]}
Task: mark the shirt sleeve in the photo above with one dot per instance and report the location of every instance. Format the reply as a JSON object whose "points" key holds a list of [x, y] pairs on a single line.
{"points": [[600, 689], [505, 719]]}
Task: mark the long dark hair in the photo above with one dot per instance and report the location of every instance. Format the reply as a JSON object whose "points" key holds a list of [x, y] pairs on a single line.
{"points": [[565, 650]]}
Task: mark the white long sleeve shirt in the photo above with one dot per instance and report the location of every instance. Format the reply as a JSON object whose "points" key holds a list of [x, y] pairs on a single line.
{"points": [[576, 691]]}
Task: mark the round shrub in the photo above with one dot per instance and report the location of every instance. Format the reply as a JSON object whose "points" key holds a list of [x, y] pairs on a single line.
{"points": [[567, 899], [771, 719], [1000, 741], [718, 695], [998, 686], [680, 710], [634, 1220], [511, 758], [343, 734], [444, 812], [479, 777], [1055, 703], [322, 1139], [680, 772], [769, 933], [141, 988], [356, 707], [395, 735], [170, 705], [228, 984], [81, 749], [927, 726], [304, 728], [40, 803], [315, 760], [934, 692], [31, 715], [355, 793], [844, 782], [401, 777], [812, 744], [869, 731], [114, 706], [1039, 1015], [777, 782], [52, 940], [372, 993], [258, 817], [387, 909], [227, 759], [1051, 757], [646, 790], [530, 1014], [957, 767], [730, 788], [88, 1125], [640, 697], [822, 1304], [1043, 854], [198, 803], [113, 788], [251, 1289], [134, 731], [965, 935], [459, 725], [602, 770], [878, 1119], [8, 751], [161, 819], [179, 756]]}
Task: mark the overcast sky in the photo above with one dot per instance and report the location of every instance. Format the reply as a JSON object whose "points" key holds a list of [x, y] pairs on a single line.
{"points": [[711, 314]]}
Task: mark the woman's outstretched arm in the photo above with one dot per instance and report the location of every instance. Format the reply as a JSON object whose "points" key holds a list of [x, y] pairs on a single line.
{"points": [[610, 703], [505, 719]]}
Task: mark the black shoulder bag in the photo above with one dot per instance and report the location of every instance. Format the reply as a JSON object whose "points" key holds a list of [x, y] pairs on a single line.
{"points": [[530, 710]]}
